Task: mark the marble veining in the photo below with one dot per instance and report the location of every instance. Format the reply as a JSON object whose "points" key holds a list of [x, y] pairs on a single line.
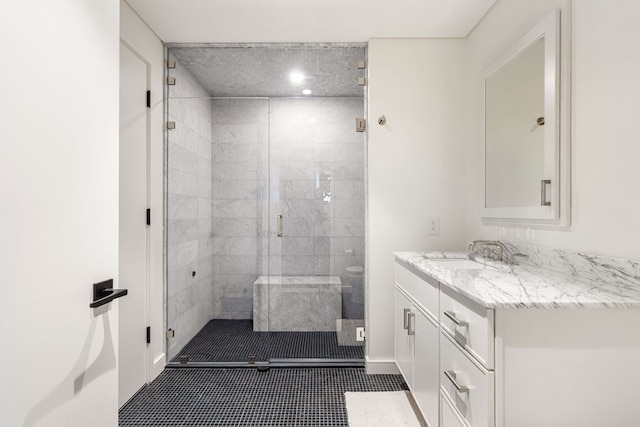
{"points": [[296, 303], [548, 278], [299, 280]]}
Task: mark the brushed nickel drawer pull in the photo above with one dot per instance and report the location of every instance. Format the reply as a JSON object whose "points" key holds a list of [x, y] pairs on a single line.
{"points": [[452, 316], [406, 318], [451, 375], [412, 324]]}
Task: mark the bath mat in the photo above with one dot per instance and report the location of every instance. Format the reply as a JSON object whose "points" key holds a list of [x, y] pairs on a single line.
{"points": [[391, 408]]}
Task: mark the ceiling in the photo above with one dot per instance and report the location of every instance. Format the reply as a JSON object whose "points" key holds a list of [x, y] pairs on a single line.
{"points": [[265, 69], [260, 21]]}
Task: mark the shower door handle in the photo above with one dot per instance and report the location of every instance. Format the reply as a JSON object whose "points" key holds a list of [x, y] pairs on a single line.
{"points": [[280, 225]]}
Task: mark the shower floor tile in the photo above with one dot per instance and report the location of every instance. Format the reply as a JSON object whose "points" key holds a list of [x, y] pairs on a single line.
{"points": [[246, 397], [235, 341]]}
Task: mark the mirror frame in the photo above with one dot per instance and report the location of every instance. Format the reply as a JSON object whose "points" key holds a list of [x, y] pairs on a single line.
{"points": [[556, 132]]}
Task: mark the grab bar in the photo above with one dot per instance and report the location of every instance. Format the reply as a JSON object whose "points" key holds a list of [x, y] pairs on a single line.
{"points": [[103, 293]]}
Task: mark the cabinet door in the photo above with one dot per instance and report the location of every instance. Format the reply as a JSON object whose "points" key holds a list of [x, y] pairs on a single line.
{"points": [[426, 374], [404, 341]]}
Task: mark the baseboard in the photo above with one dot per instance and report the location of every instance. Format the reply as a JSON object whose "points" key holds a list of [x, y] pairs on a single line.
{"points": [[380, 367], [158, 366]]}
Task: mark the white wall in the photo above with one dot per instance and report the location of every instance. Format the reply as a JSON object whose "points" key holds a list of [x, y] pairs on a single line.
{"points": [[58, 212], [135, 33], [605, 125], [415, 167]]}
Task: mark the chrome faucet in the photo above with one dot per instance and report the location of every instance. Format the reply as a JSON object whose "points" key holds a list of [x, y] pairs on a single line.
{"points": [[504, 254]]}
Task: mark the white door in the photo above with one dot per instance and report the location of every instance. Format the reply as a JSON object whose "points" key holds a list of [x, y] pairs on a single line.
{"points": [[426, 374], [58, 213], [403, 341], [133, 245]]}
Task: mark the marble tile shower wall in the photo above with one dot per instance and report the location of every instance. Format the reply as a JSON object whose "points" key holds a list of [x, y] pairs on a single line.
{"points": [[317, 184], [239, 214], [190, 298], [315, 161]]}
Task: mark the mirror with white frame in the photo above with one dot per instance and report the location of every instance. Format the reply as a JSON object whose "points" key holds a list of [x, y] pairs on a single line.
{"points": [[525, 144]]}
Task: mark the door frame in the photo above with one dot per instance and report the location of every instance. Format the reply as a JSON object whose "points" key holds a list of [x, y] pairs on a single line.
{"points": [[149, 362], [140, 38]]}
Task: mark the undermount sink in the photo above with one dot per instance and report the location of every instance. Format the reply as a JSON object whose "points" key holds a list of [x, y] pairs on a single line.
{"points": [[460, 264]]}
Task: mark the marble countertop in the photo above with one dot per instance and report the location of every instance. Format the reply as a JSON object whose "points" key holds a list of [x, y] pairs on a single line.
{"points": [[502, 286]]}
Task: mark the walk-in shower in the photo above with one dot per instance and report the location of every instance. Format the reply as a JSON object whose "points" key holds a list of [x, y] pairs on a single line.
{"points": [[265, 199]]}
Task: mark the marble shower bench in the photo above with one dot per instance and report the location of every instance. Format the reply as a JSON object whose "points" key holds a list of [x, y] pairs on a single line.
{"points": [[296, 303]]}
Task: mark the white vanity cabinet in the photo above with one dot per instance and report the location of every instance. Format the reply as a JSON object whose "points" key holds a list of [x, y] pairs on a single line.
{"points": [[442, 340], [417, 340], [472, 366]]}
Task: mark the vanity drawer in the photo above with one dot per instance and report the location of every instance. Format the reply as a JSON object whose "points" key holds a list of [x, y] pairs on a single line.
{"points": [[470, 324], [466, 384], [449, 416], [422, 289]]}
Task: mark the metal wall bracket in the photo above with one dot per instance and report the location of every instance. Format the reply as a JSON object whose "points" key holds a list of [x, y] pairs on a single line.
{"points": [[171, 333], [171, 81], [362, 65], [171, 64], [361, 124], [171, 125], [362, 81]]}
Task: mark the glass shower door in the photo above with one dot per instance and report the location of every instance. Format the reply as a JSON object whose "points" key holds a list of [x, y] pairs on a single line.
{"points": [[316, 231], [265, 207], [189, 293], [216, 201]]}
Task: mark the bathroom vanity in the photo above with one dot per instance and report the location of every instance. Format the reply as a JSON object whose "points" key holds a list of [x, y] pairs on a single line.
{"points": [[554, 341]]}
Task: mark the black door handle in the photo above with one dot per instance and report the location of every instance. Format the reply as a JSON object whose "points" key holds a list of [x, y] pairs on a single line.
{"points": [[103, 293]]}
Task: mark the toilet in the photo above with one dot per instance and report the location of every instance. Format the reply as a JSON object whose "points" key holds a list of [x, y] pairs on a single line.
{"points": [[355, 277]]}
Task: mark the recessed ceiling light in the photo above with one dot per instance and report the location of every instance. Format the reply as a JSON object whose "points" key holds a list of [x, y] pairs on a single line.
{"points": [[306, 92], [296, 77]]}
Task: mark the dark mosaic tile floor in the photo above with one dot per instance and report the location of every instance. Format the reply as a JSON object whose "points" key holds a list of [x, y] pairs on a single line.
{"points": [[235, 341], [246, 397]]}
